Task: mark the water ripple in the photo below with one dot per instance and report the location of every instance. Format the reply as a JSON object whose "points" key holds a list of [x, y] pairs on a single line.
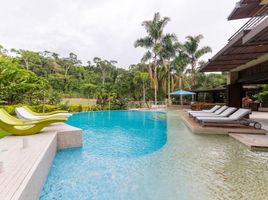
{"points": [[187, 167]]}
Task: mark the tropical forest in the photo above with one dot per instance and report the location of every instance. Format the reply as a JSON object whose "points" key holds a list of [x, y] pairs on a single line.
{"points": [[46, 80]]}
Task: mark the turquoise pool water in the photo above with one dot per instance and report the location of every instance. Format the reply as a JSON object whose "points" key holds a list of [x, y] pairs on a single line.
{"points": [[133, 155]]}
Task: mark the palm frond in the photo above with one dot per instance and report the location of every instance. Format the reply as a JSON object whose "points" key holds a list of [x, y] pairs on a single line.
{"points": [[147, 56], [204, 50], [146, 42]]}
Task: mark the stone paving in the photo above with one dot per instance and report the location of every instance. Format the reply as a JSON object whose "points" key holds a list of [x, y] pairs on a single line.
{"points": [[255, 142]]}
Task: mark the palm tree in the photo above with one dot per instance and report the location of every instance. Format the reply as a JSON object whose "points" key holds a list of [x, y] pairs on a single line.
{"points": [[142, 77], [178, 66], [169, 50], [194, 53], [152, 42]]}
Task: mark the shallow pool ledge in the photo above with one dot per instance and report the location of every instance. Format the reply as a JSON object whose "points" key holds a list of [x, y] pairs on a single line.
{"points": [[25, 161]]}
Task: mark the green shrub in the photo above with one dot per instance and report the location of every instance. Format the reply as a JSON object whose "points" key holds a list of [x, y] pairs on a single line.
{"points": [[203, 106], [48, 108], [10, 108], [73, 108], [263, 96]]}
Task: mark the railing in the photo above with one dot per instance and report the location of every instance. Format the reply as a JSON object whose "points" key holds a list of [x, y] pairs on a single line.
{"points": [[252, 22]]}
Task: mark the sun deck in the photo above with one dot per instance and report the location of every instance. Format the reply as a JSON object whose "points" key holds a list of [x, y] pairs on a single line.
{"points": [[255, 142], [25, 161], [255, 139], [223, 130]]}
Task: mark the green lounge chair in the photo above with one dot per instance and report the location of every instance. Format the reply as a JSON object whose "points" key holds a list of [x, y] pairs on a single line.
{"points": [[44, 114], [57, 113], [27, 114], [19, 127]]}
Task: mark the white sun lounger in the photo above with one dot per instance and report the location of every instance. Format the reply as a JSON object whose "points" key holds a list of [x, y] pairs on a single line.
{"points": [[22, 113], [212, 110], [237, 117], [225, 113], [206, 114]]}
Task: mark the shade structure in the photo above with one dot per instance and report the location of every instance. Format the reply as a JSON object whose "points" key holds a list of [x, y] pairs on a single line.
{"points": [[181, 93]]}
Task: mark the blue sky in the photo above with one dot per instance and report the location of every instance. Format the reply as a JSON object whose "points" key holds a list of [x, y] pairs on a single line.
{"points": [[108, 28]]}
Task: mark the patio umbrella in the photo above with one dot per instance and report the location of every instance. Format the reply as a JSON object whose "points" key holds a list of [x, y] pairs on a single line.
{"points": [[181, 93]]}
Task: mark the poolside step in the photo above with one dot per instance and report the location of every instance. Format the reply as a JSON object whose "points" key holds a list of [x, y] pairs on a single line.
{"points": [[254, 142]]}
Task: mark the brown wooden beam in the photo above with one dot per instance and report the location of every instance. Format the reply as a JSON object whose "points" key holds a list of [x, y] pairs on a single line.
{"points": [[234, 59], [259, 29], [244, 53], [230, 62]]}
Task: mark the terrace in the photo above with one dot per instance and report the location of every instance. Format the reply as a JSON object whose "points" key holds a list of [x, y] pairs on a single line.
{"points": [[154, 154]]}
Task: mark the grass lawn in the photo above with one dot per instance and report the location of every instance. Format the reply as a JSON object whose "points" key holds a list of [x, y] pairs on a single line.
{"points": [[79, 101]]}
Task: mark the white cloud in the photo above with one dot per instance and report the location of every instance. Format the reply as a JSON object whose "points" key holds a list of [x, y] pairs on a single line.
{"points": [[108, 28]]}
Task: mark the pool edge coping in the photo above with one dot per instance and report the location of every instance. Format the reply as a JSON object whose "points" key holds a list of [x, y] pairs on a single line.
{"points": [[58, 136]]}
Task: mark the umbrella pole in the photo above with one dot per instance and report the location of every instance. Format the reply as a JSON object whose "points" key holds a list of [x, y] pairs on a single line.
{"points": [[181, 99]]}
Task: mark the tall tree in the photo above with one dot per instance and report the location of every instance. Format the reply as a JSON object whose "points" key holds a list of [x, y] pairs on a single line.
{"points": [[152, 42], [142, 77], [169, 50], [105, 67], [69, 62], [194, 53], [178, 66]]}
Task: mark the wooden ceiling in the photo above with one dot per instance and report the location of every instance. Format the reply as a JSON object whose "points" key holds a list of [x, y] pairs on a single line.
{"points": [[245, 47], [246, 9]]}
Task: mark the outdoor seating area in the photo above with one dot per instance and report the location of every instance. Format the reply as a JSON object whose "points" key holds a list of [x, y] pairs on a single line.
{"points": [[98, 101], [28, 122], [241, 124], [222, 116], [26, 113]]}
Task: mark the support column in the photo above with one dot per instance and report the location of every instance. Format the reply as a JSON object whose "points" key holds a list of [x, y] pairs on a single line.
{"points": [[196, 96], [234, 95], [214, 97]]}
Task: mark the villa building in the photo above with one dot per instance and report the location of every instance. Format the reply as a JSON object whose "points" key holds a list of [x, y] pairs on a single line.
{"points": [[245, 57]]}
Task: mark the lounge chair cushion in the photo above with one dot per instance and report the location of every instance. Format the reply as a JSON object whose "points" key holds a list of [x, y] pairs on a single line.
{"points": [[239, 114]]}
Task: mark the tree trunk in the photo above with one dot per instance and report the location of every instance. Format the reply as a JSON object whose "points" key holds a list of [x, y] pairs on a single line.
{"points": [[109, 102], [66, 71], [193, 74], [26, 64], [180, 89], [44, 101], [155, 84], [172, 83], [143, 88], [169, 99], [103, 79]]}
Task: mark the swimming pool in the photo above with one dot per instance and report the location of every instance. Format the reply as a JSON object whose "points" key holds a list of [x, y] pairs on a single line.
{"points": [[138, 155]]}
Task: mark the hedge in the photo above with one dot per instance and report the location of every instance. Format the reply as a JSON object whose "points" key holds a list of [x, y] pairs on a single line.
{"points": [[204, 105], [48, 108]]}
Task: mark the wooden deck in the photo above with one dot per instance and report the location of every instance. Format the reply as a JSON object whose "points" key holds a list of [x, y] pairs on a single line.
{"points": [[24, 167], [256, 140], [223, 130]]}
